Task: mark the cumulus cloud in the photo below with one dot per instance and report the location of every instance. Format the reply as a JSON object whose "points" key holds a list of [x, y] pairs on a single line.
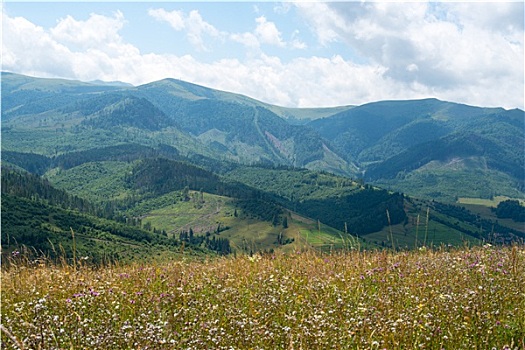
{"points": [[297, 43], [247, 39], [85, 50], [174, 18], [306, 82], [414, 51], [325, 22], [29, 48], [266, 33], [193, 23], [448, 49], [99, 32]]}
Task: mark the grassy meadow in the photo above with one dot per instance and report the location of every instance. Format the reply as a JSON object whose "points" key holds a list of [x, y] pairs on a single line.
{"points": [[487, 202], [244, 232], [468, 298]]}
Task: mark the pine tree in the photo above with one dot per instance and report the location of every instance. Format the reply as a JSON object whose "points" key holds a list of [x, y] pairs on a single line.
{"points": [[285, 222]]}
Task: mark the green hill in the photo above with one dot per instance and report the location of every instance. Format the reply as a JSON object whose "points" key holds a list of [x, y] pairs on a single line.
{"points": [[240, 128], [194, 119], [45, 220], [391, 143], [59, 233], [23, 95], [169, 156], [406, 144]]}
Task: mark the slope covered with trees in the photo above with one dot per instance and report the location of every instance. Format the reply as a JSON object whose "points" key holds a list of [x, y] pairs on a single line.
{"points": [[118, 153], [394, 141]]}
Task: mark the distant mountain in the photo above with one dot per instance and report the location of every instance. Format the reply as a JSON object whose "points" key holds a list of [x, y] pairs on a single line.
{"points": [[128, 111], [428, 148], [241, 128], [192, 91], [191, 118], [22, 95], [363, 130], [147, 170], [395, 142]]}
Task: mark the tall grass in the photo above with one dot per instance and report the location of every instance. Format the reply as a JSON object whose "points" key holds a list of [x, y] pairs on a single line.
{"points": [[472, 298]]}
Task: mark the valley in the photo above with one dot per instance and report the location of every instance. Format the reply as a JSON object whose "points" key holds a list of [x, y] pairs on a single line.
{"points": [[320, 175], [191, 170]]}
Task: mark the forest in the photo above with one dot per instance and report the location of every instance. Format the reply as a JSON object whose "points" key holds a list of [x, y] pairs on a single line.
{"points": [[511, 209]]}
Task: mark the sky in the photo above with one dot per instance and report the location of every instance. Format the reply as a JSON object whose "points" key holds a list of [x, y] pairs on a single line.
{"points": [[293, 54]]}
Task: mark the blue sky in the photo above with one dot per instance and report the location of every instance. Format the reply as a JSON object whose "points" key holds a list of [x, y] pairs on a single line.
{"points": [[300, 54]]}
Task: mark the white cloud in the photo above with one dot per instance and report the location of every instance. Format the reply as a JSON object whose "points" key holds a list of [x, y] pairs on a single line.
{"points": [[306, 82], [472, 50], [193, 23], [96, 31], [174, 18], [98, 35], [297, 43], [30, 49], [247, 39], [197, 27], [325, 22], [502, 17], [84, 50], [432, 56], [282, 8], [268, 33], [412, 67]]}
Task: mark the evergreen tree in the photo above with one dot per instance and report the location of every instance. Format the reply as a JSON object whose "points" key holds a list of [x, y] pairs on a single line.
{"points": [[275, 220]]}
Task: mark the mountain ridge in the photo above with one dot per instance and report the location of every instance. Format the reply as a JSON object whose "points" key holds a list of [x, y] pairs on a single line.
{"points": [[146, 161], [381, 142]]}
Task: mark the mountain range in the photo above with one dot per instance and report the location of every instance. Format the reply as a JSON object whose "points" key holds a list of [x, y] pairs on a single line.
{"points": [[171, 157], [428, 148]]}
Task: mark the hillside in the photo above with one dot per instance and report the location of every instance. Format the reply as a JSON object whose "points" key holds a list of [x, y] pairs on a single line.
{"points": [[409, 145], [135, 154], [251, 209], [23, 95], [377, 216], [151, 179], [43, 220], [135, 212], [194, 119], [388, 143], [240, 128]]}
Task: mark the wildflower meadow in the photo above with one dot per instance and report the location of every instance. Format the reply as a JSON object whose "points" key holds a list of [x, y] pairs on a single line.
{"points": [[469, 298]]}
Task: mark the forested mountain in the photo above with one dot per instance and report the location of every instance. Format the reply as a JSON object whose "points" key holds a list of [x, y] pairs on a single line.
{"points": [[194, 119], [240, 128], [22, 95], [428, 148], [409, 145], [333, 200], [400, 124], [112, 202], [121, 153]]}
